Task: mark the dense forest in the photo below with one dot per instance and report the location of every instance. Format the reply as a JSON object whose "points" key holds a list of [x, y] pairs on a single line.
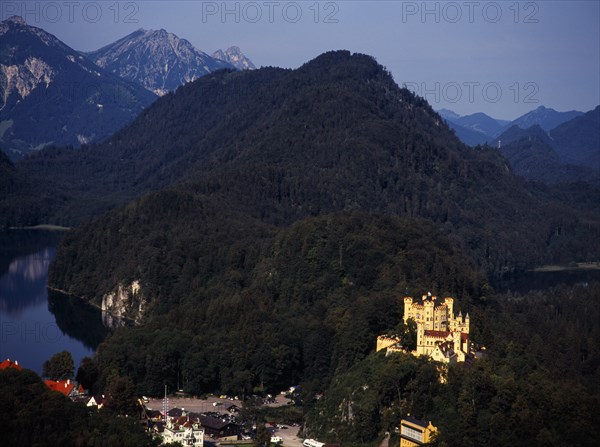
{"points": [[33, 415]]}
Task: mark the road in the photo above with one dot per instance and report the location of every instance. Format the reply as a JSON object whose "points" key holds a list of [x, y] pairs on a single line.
{"points": [[386, 440], [290, 437]]}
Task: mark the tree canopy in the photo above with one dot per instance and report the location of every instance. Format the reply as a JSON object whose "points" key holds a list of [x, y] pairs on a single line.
{"points": [[59, 367]]}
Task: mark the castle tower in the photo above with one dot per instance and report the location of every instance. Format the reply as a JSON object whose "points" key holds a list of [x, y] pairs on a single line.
{"points": [[450, 305], [428, 321], [456, 341], [408, 301], [420, 340]]}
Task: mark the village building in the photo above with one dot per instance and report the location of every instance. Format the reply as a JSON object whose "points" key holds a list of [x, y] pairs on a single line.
{"points": [[8, 363], [183, 430], [219, 428], [441, 335], [96, 401], [70, 389], [414, 432], [190, 428]]}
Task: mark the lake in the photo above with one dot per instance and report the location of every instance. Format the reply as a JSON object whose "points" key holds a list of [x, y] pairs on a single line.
{"points": [[35, 324]]}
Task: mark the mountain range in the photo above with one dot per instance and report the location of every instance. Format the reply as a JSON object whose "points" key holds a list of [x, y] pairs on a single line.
{"points": [[545, 117], [158, 60], [51, 94], [567, 153], [479, 128], [235, 57], [531, 155], [571, 142], [578, 141]]}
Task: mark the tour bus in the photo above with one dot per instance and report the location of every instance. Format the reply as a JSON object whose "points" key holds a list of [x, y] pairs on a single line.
{"points": [[312, 443]]}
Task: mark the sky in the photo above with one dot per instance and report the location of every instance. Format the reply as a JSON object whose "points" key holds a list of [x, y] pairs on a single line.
{"points": [[503, 58]]}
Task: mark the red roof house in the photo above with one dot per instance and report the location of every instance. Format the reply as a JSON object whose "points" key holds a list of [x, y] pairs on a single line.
{"points": [[66, 387], [8, 363]]}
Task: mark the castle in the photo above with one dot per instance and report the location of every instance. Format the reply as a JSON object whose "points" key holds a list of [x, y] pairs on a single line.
{"points": [[440, 335]]}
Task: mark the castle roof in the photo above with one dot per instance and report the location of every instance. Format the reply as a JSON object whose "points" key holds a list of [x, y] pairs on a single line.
{"points": [[416, 421], [420, 303], [446, 348]]}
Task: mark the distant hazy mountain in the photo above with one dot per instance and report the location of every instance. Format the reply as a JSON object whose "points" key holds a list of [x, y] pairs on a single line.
{"points": [[448, 115], [468, 136], [516, 133], [578, 141], [480, 122], [545, 117], [533, 154], [479, 128], [473, 129], [158, 60], [51, 94], [235, 57]]}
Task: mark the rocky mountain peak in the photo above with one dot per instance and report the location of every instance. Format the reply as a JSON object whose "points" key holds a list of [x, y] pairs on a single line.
{"points": [[43, 80], [158, 60], [234, 56], [17, 20]]}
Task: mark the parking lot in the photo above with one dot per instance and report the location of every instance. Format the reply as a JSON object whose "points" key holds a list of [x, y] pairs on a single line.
{"points": [[290, 436], [195, 405]]}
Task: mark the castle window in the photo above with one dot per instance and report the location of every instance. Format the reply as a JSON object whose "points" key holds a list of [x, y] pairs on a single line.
{"points": [[412, 433]]}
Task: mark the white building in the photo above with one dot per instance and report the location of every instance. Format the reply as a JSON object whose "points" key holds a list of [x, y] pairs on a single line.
{"points": [[187, 433]]}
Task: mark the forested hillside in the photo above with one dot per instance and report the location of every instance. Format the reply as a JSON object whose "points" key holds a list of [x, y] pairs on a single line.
{"points": [[239, 305], [578, 140], [167, 143], [289, 212], [336, 134], [8, 175], [537, 385], [533, 158], [535, 154]]}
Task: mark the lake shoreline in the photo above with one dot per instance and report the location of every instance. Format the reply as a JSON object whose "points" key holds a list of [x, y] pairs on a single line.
{"points": [[42, 227], [89, 303], [561, 268]]}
